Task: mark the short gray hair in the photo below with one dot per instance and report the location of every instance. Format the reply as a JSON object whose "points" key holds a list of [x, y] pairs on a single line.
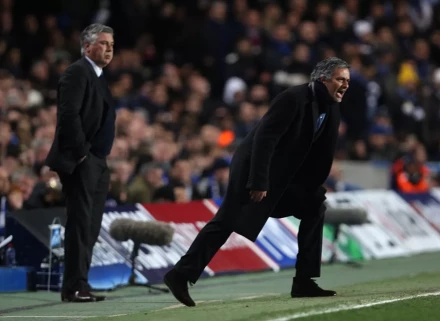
{"points": [[91, 32], [147, 167], [325, 68]]}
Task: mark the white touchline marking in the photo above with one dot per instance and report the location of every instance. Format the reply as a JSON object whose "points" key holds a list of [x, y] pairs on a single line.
{"points": [[171, 307], [59, 316], [180, 305], [256, 296], [46, 316], [352, 307]]}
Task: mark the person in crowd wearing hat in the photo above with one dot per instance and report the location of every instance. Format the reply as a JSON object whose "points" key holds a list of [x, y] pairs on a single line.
{"points": [[214, 186], [278, 170]]}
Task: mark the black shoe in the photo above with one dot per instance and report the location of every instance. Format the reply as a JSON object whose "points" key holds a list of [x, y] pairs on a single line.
{"points": [[98, 298], [78, 296], [178, 286], [308, 288]]}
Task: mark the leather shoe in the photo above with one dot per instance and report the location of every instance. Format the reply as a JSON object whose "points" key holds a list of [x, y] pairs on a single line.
{"points": [[78, 296], [98, 298], [302, 288], [178, 286]]}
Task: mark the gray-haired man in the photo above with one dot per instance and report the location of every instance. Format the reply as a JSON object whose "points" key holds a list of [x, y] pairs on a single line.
{"points": [[83, 139], [278, 171]]}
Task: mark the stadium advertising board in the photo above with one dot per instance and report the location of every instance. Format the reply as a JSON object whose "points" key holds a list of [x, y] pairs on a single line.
{"points": [[278, 242], [152, 261], [111, 262], [347, 247], [394, 229], [427, 205], [236, 255], [391, 211], [375, 239]]}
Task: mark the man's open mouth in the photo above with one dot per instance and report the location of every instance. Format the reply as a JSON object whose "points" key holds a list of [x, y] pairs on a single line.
{"points": [[340, 93]]}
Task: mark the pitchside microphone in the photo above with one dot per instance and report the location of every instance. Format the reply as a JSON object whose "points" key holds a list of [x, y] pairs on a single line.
{"points": [[348, 216], [141, 232]]}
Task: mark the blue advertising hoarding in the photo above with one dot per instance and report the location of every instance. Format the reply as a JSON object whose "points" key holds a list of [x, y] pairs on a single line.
{"points": [[427, 205], [277, 241]]}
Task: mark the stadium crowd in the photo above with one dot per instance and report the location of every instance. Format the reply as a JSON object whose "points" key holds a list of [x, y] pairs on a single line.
{"points": [[191, 78]]}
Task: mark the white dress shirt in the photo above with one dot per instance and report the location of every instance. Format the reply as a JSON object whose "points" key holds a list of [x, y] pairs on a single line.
{"points": [[97, 70]]}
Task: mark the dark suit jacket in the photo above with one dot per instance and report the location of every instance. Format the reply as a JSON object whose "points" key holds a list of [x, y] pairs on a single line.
{"points": [[280, 157], [82, 104]]}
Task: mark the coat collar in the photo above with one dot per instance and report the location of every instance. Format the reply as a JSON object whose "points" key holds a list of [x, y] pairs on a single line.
{"points": [[105, 92]]}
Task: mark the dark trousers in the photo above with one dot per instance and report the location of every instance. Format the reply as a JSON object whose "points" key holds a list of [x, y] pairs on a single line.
{"points": [[214, 234], [85, 191]]}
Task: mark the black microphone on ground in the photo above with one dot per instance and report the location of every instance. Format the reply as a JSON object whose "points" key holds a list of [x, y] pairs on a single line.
{"points": [[141, 232], [146, 232], [348, 216]]}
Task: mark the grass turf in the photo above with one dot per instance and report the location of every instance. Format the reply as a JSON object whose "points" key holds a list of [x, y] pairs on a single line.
{"points": [[223, 297], [273, 307]]}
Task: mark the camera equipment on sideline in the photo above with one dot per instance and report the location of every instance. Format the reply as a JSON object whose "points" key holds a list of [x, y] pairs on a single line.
{"points": [[141, 232]]}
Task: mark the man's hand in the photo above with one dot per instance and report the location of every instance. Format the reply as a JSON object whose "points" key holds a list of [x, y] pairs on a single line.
{"points": [[257, 196], [82, 159]]}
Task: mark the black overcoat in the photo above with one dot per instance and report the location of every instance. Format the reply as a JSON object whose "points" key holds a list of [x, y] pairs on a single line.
{"points": [[278, 156], [82, 105]]}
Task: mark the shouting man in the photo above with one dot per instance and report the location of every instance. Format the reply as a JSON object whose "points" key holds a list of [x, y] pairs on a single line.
{"points": [[278, 171]]}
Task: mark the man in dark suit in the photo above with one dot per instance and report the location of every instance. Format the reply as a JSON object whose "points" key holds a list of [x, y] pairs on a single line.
{"points": [[277, 171], [83, 139]]}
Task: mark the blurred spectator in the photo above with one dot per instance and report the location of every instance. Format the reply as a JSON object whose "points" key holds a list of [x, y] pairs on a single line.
{"points": [[145, 184], [47, 192], [409, 173], [4, 189], [432, 129], [180, 176], [215, 184], [176, 193], [381, 144], [335, 181], [435, 180], [414, 177]]}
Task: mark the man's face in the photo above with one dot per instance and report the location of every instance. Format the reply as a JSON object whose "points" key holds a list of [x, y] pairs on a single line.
{"points": [[101, 51], [182, 171], [154, 177], [338, 83]]}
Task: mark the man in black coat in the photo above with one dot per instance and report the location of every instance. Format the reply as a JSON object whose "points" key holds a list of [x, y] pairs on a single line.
{"points": [[83, 139], [278, 171]]}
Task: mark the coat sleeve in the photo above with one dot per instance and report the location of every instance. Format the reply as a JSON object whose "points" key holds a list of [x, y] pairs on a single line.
{"points": [[71, 91], [272, 127]]}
